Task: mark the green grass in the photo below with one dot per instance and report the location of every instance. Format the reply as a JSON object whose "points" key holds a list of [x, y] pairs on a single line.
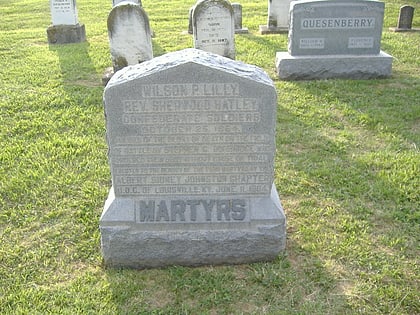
{"points": [[347, 169]]}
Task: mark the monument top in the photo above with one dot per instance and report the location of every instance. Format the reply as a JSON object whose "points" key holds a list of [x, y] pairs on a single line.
{"points": [[190, 55]]}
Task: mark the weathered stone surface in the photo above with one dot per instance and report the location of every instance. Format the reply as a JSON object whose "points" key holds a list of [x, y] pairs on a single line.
{"points": [[334, 39], [66, 34], [237, 15], [214, 27], [63, 12], [129, 35], [335, 27], [65, 26], [115, 2], [333, 66], [278, 17], [405, 20], [191, 148]]}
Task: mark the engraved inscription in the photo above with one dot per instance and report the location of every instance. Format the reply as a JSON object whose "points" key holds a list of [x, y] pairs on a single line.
{"points": [[311, 43], [338, 23], [361, 42], [62, 6], [192, 139], [184, 211], [213, 27]]}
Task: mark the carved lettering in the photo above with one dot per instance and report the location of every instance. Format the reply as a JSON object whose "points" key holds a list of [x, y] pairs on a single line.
{"points": [[338, 23], [183, 211]]}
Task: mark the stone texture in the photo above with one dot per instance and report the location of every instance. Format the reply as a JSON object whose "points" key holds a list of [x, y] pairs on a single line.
{"points": [[63, 12], [66, 34], [328, 67], [65, 28], [335, 27], [405, 20], [129, 35], [334, 39], [115, 2], [278, 17], [214, 27], [237, 14], [191, 140]]}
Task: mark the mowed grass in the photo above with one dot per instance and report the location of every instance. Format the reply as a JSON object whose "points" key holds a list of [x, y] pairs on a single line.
{"points": [[347, 169]]}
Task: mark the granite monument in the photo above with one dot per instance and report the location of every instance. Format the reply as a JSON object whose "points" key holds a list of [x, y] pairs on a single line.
{"points": [[191, 139], [334, 39]]}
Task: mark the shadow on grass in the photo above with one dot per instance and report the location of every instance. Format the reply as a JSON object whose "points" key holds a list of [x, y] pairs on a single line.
{"points": [[76, 65], [295, 285], [360, 224]]}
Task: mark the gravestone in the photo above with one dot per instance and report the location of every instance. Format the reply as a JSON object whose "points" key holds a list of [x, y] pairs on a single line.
{"points": [[190, 23], [405, 20], [129, 35], [191, 140], [115, 2], [278, 17], [237, 17], [213, 27], [334, 39], [65, 26]]}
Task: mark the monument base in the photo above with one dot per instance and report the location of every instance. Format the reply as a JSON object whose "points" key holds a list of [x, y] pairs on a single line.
{"points": [[128, 241], [333, 66], [109, 72], [66, 34], [264, 29], [400, 30], [243, 30]]}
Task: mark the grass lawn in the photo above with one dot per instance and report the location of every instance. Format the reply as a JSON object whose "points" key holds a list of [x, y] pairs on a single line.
{"points": [[347, 169]]}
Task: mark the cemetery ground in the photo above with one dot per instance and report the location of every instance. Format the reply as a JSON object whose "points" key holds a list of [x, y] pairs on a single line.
{"points": [[347, 169]]}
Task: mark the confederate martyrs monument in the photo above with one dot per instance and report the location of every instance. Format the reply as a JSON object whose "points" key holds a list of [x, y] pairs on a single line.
{"points": [[191, 138]]}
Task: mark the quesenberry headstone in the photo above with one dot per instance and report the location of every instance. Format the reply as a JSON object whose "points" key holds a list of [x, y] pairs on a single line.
{"points": [[191, 140], [214, 28], [334, 39], [129, 35], [65, 26], [405, 20], [278, 17]]}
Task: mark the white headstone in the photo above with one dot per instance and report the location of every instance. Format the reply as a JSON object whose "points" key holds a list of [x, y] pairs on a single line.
{"points": [[115, 2], [64, 12], [65, 26], [129, 35], [278, 17], [191, 140], [213, 27]]}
